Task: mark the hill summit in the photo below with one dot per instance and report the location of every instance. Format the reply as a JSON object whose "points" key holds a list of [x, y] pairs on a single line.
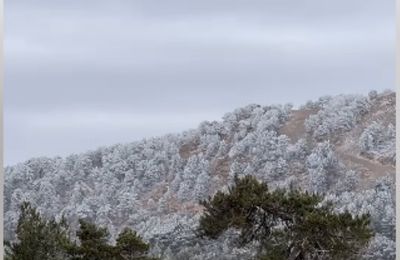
{"points": [[340, 146]]}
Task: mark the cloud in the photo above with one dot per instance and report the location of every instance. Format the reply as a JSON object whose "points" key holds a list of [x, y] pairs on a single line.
{"points": [[176, 57]]}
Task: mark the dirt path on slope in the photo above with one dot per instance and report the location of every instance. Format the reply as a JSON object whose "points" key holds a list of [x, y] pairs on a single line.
{"points": [[294, 128], [370, 170]]}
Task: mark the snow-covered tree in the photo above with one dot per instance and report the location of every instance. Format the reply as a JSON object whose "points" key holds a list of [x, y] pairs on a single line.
{"points": [[379, 142], [337, 115], [153, 185], [380, 247], [323, 166]]}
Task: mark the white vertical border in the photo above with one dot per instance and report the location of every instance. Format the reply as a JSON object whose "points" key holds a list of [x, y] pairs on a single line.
{"points": [[1, 128], [397, 42]]}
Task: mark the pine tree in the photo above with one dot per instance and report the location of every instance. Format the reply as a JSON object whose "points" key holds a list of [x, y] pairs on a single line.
{"points": [[286, 224], [42, 239], [130, 246], [93, 242], [38, 238]]}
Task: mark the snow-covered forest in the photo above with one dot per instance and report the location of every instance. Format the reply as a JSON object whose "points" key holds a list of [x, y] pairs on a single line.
{"points": [[342, 146]]}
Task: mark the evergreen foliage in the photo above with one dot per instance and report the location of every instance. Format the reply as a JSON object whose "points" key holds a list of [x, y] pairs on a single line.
{"points": [[130, 246], [378, 141], [336, 115], [41, 239], [286, 224], [93, 242], [38, 238]]}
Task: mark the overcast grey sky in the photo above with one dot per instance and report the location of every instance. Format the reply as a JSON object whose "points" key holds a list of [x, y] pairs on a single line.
{"points": [[83, 74]]}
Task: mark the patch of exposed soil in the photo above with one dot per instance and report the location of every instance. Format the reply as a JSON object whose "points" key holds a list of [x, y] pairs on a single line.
{"points": [[189, 149], [370, 170], [220, 167], [383, 111], [294, 128]]}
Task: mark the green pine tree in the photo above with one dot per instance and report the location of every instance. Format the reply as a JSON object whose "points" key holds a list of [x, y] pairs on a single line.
{"points": [[93, 242], [130, 246], [41, 239], [287, 224], [38, 238]]}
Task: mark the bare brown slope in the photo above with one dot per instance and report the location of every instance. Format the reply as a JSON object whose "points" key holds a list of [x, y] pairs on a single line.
{"points": [[294, 127], [383, 110]]}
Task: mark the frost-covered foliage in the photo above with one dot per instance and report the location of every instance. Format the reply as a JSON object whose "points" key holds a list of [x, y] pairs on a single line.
{"points": [[380, 247], [323, 167], [336, 115], [379, 202], [154, 185], [373, 94], [379, 142], [349, 181]]}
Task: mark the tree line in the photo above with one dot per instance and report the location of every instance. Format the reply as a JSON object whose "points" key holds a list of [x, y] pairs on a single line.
{"points": [[284, 224]]}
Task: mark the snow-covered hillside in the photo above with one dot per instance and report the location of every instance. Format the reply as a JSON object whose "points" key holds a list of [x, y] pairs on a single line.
{"points": [[342, 146]]}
